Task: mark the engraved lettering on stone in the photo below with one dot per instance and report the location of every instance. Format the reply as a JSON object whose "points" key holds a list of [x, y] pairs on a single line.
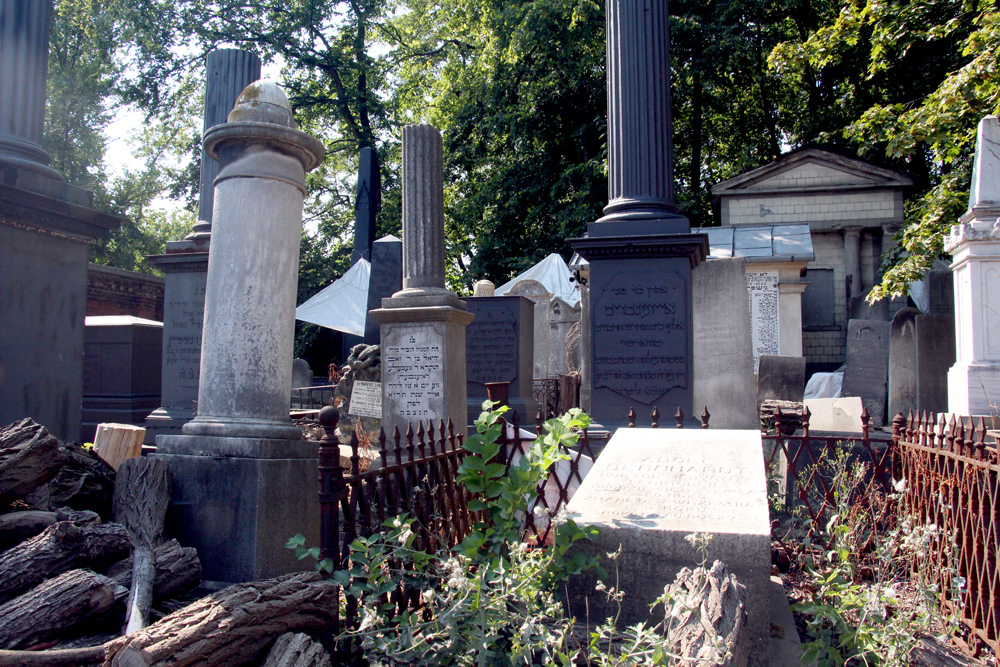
{"points": [[762, 287], [491, 348], [182, 356], [413, 371]]}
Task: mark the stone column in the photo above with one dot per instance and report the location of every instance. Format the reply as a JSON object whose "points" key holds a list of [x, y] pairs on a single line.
{"points": [[423, 325], [852, 262], [24, 59], [243, 480], [641, 252], [185, 264], [974, 244]]}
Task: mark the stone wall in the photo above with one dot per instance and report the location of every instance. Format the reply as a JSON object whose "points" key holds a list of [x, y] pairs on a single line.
{"points": [[112, 291], [827, 347], [862, 208]]}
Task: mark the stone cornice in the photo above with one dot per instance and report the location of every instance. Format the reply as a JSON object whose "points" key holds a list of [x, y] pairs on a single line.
{"points": [[692, 246], [972, 232]]}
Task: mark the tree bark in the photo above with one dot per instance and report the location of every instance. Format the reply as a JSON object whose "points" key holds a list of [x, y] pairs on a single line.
{"points": [[141, 496], [61, 547], [178, 570], [17, 527], [49, 610], [231, 627], [73, 657], [707, 607], [84, 481], [29, 457], [296, 649]]}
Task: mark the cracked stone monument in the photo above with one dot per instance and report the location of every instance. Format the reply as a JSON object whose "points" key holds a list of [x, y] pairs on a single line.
{"points": [[974, 244], [423, 325], [46, 226], [185, 263], [641, 252], [243, 479]]}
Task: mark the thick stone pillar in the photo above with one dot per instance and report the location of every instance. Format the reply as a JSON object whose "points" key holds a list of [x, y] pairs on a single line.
{"points": [[641, 252], [852, 262], [974, 244], [185, 264], [24, 60], [423, 325], [244, 482]]}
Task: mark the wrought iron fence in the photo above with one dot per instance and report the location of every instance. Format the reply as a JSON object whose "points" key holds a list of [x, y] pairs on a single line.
{"points": [[546, 392], [952, 476]]}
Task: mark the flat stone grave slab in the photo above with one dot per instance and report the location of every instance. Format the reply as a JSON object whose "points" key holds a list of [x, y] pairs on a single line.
{"points": [[649, 489]]}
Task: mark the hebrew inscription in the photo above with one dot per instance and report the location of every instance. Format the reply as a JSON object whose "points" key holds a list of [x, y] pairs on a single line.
{"points": [[491, 345], [640, 334], [413, 373], [182, 347], [764, 320]]}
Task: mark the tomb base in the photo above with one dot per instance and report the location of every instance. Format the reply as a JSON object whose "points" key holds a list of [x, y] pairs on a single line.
{"points": [[238, 501], [974, 389]]}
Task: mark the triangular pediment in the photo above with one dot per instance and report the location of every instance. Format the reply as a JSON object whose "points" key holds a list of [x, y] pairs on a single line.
{"points": [[812, 169]]}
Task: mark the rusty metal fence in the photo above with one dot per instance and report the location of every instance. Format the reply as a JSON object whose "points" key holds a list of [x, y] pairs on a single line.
{"points": [[951, 475]]}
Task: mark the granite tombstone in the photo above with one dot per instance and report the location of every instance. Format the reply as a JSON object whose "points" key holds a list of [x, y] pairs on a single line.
{"points": [[903, 362], [386, 279], [781, 379], [867, 371]]}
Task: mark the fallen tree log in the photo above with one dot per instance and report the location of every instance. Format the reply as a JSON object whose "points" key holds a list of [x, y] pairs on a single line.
{"points": [[231, 627], [56, 606], [178, 570], [73, 657], [29, 457], [84, 481], [17, 527], [296, 649], [61, 547]]}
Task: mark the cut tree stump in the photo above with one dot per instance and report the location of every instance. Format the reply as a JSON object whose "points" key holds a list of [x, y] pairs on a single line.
{"points": [[231, 627], [61, 547], [142, 493], [707, 607], [296, 649], [48, 611], [178, 570], [17, 527], [116, 443]]}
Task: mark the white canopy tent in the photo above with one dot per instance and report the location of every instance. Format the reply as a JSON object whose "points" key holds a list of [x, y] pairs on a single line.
{"points": [[343, 306], [554, 274]]}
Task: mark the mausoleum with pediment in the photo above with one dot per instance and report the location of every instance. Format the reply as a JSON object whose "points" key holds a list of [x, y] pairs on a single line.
{"points": [[852, 207]]}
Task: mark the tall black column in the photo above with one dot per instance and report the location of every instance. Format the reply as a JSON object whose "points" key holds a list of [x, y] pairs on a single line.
{"points": [[227, 73], [24, 56], [641, 252]]}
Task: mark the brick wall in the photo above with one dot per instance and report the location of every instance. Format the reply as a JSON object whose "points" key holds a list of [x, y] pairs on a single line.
{"points": [[829, 347], [112, 291]]}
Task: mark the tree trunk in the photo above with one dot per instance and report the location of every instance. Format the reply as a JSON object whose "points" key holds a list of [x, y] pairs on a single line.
{"points": [[84, 481], [178, 570], [74, 657], [142, 493], [29, 457], [295, 649], [706, 609], [49, 610], [17, 527], [61, 547], [231, 627]]}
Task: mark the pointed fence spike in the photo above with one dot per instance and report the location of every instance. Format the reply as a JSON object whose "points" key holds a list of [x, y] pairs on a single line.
{"points": [[705, 416], [654, 417], [631, 417], [679, 416]]}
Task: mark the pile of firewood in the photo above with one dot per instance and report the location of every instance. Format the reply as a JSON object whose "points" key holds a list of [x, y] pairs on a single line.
{"points": [[84, 567]]}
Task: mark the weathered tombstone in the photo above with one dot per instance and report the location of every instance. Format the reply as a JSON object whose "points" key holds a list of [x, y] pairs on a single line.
{"points": [[642, 251], [837, 415], [483, 288], [423, 325], [940, 292], [541, 297], [243, 478], [367, 204], [185, 264], [723, 358], [903, 362], [762, 287], [648, 491], [498, 348], [564, 337], [45, 228], [386, 279], [302, 375], [935, 355], [781, 379], [974, 244], [867, 371]]}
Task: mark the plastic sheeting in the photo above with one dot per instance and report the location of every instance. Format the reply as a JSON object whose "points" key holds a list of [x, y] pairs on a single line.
{"points": [[554, 274], [824, 385], [343, 306]]}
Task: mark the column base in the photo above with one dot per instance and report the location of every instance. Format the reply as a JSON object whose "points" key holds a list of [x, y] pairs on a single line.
{"points": [[974, 389], [238, 500], [166, 421]]}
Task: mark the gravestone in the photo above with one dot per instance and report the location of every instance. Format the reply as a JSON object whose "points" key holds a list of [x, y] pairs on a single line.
{"points": [[940, 292], [836, 415], [367, 204], [765, 323], [649, 489], [423, 324], [903, 362], [867, 371], [935, 355], [302, 375], [723, 355], [781, 379], [386, 279], [498, 348], [564, 337], [536, 292], [484, 288]]}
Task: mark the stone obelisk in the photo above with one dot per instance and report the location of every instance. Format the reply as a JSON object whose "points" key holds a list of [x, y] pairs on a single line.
{"points": [[641, 252], [423, 325], [244, 481], [45, 228], [185, 264], [367, 204]]}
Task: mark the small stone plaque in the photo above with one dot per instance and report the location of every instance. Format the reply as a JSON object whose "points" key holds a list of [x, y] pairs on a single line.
{"points": [[413, 373], [366, 399]]}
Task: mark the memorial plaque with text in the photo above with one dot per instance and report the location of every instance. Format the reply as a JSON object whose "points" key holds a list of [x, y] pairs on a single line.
{"points": [[182, 340], [491, 345], [413, 373], [764, 321], [366, 399], [640, 334]]}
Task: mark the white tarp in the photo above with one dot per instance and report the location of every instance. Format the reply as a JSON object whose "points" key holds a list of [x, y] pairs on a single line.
{"points": [[554, 274], [343, 305]]}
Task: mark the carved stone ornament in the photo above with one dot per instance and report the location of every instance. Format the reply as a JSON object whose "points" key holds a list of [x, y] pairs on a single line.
{"points": [[968, 232]]}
